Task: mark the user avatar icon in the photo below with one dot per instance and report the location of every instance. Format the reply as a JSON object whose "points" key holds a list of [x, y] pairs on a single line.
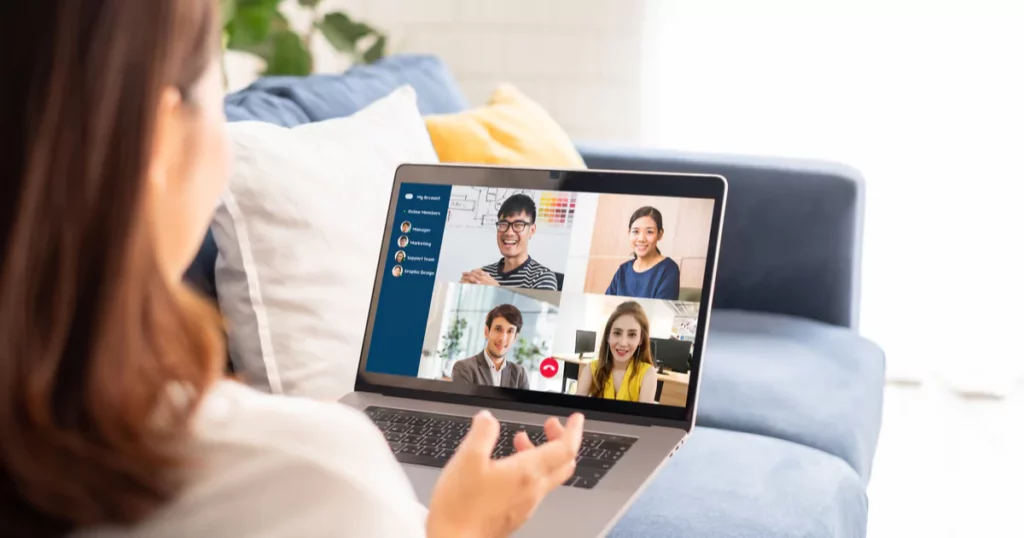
{"points": [[397, 270], [403, 242], [406, 226], [400, 256]]}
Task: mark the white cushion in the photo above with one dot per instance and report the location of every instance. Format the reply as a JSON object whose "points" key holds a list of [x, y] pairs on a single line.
{"points": [[299, 233]]}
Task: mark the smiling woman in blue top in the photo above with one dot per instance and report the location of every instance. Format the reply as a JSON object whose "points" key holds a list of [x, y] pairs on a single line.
{"points": [[650, 274]]}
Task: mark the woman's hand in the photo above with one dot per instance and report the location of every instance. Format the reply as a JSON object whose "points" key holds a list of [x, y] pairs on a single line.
{"points": [[483, 498]]}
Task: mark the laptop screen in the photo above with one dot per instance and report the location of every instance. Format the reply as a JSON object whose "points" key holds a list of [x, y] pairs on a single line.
{"points": [[579, 293]]}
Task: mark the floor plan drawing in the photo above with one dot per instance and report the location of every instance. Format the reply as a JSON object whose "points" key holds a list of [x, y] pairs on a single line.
{"points": [[477, 207]]}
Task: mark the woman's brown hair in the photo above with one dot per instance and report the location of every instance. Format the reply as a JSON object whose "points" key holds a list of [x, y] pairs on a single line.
{"points": [[95, 342], [643, 351]]}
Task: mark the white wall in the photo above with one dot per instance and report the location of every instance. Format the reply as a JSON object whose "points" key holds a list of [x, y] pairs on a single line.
{"points": [[579, 246], [580, 59], [431, 364]]}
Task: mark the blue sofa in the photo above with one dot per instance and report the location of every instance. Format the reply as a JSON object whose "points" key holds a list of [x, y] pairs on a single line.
{"points": [[790, 406]]}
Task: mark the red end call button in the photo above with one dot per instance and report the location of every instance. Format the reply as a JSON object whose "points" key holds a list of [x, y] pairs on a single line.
{"points": [[549, 367]]}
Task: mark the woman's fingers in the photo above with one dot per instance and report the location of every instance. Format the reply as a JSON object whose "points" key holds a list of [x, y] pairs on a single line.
{"points": [[554, 455], [574, 430], [567, 446], [553, 429], [482, 437], [560, 476], [522, 442]]}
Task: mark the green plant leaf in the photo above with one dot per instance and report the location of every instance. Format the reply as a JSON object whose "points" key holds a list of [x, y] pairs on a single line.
{"points": [[263, 48], [341, 32], [250, 25], [227, 11], [452, 341], [289, 56], [376, 51]]}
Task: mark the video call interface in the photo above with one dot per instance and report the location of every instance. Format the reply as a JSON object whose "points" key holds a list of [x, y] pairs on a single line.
{"points": [[593, 295]]}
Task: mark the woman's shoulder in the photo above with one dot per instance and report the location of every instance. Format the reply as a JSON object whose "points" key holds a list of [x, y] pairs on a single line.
{"points": [[668, 264], [310, 432], [292, 443], [237, 403], [645, 367], [625, 267], [313, 469]]}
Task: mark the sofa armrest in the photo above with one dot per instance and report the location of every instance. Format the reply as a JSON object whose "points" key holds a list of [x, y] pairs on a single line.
{"points": [[791, 239]]}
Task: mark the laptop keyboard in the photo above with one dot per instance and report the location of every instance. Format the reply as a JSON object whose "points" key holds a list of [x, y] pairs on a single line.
{"points": [[431, 439]]}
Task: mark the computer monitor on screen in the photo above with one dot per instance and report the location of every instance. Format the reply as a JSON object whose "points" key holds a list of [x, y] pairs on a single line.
{"points": [[671, 354], [586, 342]]}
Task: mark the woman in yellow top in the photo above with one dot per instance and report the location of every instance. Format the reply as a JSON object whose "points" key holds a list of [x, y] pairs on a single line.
{"points": [[624, 368]]}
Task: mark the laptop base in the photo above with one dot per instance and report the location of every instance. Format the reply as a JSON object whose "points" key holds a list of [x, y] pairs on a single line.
{"points": [[567, 511]]}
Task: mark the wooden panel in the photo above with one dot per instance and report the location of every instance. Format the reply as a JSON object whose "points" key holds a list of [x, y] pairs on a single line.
{"points": [[611, 226], [599, 274], [693, 227], [673, 394], [691, 272]]}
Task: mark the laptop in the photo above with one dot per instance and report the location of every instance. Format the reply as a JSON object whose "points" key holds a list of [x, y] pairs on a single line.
{"points": [[485, 278]]}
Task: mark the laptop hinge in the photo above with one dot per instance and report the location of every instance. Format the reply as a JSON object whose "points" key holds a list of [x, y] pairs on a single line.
{"points": [[540, 409]]}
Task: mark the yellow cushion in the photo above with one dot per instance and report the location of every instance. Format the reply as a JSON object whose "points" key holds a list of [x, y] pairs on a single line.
{"points": [[511, 129]]}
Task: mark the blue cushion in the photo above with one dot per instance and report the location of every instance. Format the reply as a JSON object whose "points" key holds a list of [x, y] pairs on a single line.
{"points": [[790, 378], [201, 273], [254, 105], [325, 96], [739, 485]]}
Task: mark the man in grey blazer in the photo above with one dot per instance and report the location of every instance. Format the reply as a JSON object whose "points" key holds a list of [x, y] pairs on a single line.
{"points": [[490, 366]]}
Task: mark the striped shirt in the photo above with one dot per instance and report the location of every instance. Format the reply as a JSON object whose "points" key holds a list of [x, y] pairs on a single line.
{"points": [[530, 275]]}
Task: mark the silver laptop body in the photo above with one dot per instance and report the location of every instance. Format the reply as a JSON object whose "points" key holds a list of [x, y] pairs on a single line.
{"points": [[445, 220]]}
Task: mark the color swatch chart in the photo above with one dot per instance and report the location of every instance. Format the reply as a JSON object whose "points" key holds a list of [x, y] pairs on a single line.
{"points": [[556, 208], [477, 207]]}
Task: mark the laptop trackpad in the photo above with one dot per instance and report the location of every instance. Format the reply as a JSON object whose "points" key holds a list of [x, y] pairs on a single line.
{"points": [[423, 480]]}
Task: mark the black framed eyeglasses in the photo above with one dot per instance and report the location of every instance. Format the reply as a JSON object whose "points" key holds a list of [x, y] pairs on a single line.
{"points": [[517, 225]]}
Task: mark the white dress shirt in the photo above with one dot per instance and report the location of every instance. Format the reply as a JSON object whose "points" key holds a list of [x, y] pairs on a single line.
{"points": [[495, 372]]}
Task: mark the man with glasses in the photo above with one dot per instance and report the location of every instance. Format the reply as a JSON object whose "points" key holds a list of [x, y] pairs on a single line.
{"points": [[515, 227]]}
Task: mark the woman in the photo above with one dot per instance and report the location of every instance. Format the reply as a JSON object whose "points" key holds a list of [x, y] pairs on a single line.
{"points": [[624, 368], [649, 274], [114, 417]]}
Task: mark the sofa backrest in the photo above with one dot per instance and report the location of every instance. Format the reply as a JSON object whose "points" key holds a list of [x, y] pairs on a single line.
{"points": [[289, 101]]}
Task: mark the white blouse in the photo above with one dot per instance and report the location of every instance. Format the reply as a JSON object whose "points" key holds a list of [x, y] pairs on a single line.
{"points": [[274, 466]]}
